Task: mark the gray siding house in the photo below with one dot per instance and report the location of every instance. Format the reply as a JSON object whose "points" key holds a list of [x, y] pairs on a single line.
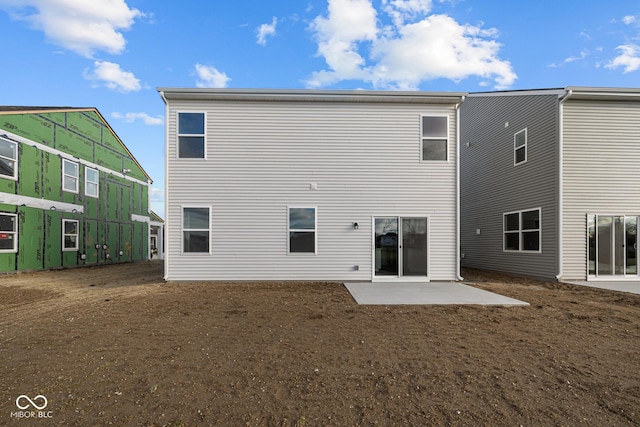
{"points": [[550, 182], [311, 185]]}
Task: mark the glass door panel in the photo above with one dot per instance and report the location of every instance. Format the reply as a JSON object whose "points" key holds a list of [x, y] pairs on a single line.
{"points": [[386, 246], [414, 246], [618, 245], [631, 245], [605, 245]]}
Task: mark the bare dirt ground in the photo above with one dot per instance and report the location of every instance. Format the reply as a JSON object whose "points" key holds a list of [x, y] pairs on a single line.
{"points": [[115, 345]]}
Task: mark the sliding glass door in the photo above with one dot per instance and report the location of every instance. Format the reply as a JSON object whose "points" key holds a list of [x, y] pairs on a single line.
{"points": [[401, 246], [612, 245]]}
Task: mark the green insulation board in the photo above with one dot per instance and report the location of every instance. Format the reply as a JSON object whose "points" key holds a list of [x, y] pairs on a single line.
{"points": [[30, 238], [30, 178]]}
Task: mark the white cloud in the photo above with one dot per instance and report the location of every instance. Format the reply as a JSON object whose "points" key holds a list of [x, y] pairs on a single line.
{"points": [[113, 77], [349, 22], [630, 19], [265, 30], [209, 76], [132, 117], [78, 25], [402, 10], [629, 59], [413, 49]]}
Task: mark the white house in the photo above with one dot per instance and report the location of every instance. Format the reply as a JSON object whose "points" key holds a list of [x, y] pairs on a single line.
{"points": [[311, 185]]}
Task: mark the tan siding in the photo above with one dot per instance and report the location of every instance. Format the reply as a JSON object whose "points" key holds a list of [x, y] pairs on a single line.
{"points": [[262, 156], [601, 152]]}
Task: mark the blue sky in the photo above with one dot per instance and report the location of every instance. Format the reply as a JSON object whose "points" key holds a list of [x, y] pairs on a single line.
{"points": [[113, 54]]}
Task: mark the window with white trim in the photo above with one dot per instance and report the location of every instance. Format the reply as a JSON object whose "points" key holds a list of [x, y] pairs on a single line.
{"points": [[70, 234], [70, 173], [520, 147], [435, 137], [196, 229], [8, 232], [522, 232], [91, 183], [8, 159], [191, 135], [301, 225]]}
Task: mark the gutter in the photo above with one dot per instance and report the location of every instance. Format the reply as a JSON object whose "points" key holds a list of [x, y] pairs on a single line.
{"points": [[458, 260], [165, 232], [566, 96]]}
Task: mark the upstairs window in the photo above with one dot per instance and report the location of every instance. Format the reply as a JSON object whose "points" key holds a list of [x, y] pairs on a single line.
{"points": [[70, 176], [302, 230], [191, 136], [522, 231], [435, 138], [520, 147], [195, 230], [70, 235], [8, 159], [91, 182], [8, 232]]}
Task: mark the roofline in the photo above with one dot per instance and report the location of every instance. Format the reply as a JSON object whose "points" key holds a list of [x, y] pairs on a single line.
{"points": [[528, 92], [40, 110], [302, 95], [573, 92]]}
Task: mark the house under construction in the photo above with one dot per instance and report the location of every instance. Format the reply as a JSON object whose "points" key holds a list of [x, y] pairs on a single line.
{"points": [[71, 193]]}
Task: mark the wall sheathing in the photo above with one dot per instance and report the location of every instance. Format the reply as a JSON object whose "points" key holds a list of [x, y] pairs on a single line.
{"points": [[106, 220]]}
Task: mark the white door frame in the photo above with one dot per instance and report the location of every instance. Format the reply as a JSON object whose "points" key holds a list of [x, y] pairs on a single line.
{"points": [[399, 277], [611, 277]]}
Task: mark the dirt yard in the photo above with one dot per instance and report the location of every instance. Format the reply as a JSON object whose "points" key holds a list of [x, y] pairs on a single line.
{"points": [[115, 345]]}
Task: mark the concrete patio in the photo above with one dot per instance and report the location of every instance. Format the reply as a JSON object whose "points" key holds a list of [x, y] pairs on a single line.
{"points": [[620, 286], [431, 293]]}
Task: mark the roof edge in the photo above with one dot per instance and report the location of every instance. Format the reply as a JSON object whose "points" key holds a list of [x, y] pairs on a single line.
{"points": [[300, 95]]}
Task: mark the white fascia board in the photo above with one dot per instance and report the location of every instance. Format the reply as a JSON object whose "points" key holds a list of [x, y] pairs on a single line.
{"points": [[23, 140], [140, 218], [33, 202]]}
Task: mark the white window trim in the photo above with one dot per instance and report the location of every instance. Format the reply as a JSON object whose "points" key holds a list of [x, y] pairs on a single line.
{"points": [[86, 181], [178, 135], [15, 161], [423, 138], [15, 234], [183, 229], [64, 221], [315, 231], [520, 231], [77, 177], [525, 146]]}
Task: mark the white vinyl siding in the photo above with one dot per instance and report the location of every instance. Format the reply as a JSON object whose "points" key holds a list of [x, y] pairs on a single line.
{"points": [[601, 148], [351, 160]]}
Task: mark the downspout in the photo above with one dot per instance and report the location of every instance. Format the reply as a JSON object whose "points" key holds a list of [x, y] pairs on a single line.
{"points": [[560, 184], [458, 105], [166, 193]]}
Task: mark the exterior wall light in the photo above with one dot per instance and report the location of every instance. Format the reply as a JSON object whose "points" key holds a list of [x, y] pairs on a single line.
{"points": [[355, 225]]}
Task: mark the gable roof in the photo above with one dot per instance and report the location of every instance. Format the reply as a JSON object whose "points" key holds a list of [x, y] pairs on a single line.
{"points": [[34, 110]]}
